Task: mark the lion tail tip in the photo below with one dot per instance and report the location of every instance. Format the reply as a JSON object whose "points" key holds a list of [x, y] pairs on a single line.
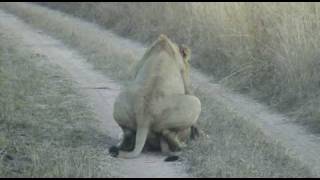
{"points": [[172, 158]]}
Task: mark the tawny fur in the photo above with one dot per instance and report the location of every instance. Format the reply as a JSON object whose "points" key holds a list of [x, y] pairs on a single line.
{"points": [[159, 99]]}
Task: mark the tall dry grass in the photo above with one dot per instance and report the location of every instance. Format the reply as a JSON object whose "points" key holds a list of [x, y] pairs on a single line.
{"points": [[267, 50]]}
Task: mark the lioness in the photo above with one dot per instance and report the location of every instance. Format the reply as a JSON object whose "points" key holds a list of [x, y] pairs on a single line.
{"points": [[158, 102]]}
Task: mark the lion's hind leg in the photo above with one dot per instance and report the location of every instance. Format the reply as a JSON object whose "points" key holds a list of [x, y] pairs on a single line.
{"points": [[122, 114], [177, 112], [175, 142], [165, 148], [179, 115]]}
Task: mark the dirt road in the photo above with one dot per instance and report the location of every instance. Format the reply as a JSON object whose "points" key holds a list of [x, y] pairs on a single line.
{"points": [[300, 143]]}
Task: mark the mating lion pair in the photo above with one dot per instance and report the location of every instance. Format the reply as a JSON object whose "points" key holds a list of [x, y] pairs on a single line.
{"points": [[157, 108]]}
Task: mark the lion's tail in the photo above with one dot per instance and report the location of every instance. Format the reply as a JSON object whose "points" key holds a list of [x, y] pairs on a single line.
{"points": [[172, 158], [141, 137]]}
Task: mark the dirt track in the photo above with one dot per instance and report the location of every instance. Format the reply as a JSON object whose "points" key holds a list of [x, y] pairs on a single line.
{"points": [[300, 143]]}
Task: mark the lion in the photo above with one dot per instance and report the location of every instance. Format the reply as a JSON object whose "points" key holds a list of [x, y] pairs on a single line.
{"points": [[158, 106], [176, 138]]}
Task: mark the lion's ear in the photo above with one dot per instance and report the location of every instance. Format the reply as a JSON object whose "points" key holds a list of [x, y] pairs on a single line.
{"points": [[185, 51]]}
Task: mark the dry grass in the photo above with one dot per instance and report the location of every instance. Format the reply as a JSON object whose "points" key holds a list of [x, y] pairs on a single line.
{"points": [[235, 147], [267, 50], [46, 129]]}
